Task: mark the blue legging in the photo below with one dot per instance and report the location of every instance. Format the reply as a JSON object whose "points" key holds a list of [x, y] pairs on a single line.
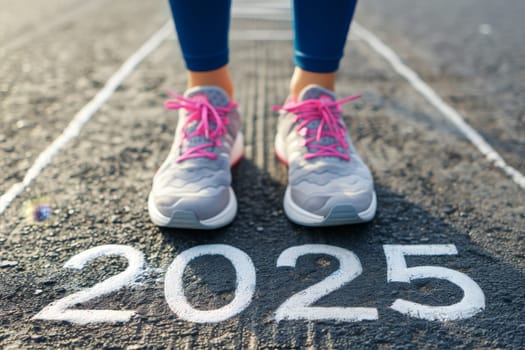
{"points": [[321, 28]]}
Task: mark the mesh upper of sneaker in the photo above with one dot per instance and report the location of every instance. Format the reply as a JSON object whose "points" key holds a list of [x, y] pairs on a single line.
{"points": [[199, 184], [320, 183]]}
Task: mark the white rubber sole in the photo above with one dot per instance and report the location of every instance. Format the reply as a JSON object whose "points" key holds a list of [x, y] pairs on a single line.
{"points": [[339, 215], [188, 219]]}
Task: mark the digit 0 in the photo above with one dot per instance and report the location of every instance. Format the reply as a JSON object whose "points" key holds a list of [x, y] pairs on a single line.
{"points": [[245, 284]]}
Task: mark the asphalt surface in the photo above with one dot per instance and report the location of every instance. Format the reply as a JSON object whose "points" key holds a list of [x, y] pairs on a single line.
{"points": [[472, 51], [433, 186]]}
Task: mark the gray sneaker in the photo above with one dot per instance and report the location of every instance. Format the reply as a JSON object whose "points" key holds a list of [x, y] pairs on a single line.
{"points": [[329, 184], [192, 187]]}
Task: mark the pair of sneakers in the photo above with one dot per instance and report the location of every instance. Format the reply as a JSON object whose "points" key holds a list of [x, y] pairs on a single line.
{"points": [[328, 185]]}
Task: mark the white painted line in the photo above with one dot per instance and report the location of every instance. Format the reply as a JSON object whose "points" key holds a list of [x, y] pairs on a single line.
{"points": [[434, 99], [263, 15], [256, 35], [262, 10], [85, 114], [262, 35]]}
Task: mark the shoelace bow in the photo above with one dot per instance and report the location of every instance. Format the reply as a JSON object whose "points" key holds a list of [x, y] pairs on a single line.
{"points": [[330, 125], [205, 114]]}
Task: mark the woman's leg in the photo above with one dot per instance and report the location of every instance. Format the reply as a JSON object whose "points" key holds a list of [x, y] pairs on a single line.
{"points": [[202, 27], [192, 188], [321, 29], [328, 183]]}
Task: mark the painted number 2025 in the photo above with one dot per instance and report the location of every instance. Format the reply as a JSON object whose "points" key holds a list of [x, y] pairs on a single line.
{"points": [[296, 307]]}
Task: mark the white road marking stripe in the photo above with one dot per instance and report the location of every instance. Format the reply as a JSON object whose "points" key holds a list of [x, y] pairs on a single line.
{"points": [[85, 114], [434, 99], [262, 35], [255, 35]]}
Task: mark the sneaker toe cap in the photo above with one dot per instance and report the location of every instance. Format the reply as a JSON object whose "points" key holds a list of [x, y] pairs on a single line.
{"points": [[322, 204], [205, 204]]}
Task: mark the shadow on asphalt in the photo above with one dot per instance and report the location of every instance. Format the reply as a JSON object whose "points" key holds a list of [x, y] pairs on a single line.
{"points": [[263, 232]]}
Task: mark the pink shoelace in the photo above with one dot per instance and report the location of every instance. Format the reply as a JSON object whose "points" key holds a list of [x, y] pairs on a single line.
{"points": [[328, 113], [205, 114]]}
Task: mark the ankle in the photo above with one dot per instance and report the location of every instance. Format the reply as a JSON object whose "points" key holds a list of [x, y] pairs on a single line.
{"points": [[301, 79], [219, 77]]}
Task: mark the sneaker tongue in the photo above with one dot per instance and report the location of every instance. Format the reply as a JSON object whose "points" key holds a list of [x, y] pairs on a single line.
{"points": [[217, 97], [315, 92]]}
